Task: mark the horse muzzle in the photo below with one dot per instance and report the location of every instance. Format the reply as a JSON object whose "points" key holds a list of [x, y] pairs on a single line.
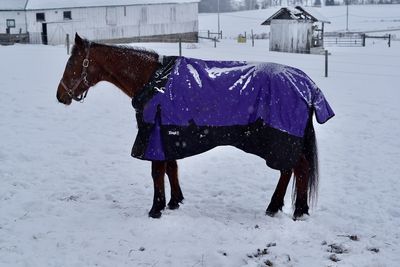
{"points": [[63, 97]]}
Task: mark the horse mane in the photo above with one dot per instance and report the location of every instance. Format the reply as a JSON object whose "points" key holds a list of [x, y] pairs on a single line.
{"points": [[126, 49]]}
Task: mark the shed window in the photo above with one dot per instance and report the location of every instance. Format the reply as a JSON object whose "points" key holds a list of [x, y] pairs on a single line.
{"points": [[40, 17], [67, 15]]}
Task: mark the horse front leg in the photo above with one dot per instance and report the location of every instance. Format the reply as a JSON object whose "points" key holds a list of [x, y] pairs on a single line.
{"points": [[176, 192], [277, 200], [158, 169], [301, 174]]}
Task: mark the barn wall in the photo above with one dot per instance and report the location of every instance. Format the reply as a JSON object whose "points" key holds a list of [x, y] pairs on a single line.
{"points": [[20, 22], [290, 36], [104, 23]]}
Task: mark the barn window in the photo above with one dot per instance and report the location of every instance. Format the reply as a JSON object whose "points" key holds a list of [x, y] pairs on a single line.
{"points": [[172, 14], [10, 23], [67, 15], [40, 17], [143, 15]]}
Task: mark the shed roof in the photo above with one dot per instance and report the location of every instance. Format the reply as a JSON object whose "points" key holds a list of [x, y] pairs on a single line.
{"points": [[297, 13], [56, 4]]}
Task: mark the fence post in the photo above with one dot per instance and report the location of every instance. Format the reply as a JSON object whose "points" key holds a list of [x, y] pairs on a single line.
{"points": [[67, 43], [363, 36], [215, 42], [389, 39], [326, 63], [252, 38], [208, 33], [180, 47]]}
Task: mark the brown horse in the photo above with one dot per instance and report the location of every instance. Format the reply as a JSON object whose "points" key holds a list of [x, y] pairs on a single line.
{"points": [[130, 69]]}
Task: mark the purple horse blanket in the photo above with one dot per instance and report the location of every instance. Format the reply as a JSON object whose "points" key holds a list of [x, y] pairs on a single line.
{"points": [[193, 105]]}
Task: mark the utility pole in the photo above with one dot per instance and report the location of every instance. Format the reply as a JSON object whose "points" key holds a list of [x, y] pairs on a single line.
{"points": [[347, 15], [218, 20]]}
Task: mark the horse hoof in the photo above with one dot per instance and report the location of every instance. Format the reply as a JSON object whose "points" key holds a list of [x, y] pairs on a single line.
{"points": [[173, 205], [155, 214], [270, 213], [300, 216]]}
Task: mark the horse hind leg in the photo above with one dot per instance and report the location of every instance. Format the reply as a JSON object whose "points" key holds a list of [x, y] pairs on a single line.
{"points": [[277, 200], [176, 192], [300, 190], [158, 169]]}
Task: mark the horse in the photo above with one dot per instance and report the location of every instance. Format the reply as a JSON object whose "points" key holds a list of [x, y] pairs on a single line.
{"points": [[130, 69]]}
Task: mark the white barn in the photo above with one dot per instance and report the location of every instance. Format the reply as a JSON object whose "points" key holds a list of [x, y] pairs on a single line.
{"points": [[48, 21]]}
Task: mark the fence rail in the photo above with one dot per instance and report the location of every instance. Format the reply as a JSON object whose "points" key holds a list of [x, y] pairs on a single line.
{"points": [[10, 39], [351, 39], [343, 39]]}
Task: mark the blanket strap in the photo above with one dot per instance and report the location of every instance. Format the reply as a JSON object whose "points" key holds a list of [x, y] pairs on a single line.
{"points": [[156, 84]]}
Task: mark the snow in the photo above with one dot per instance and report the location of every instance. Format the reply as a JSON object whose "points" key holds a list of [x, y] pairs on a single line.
{"points": [[215, 72], [50, 4], [12, 4], [246, 76], [71, 195], [195, 75], [361, 18]]}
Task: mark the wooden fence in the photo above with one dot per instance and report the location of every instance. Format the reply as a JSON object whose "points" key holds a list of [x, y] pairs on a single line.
{"points": [[10, 39], [387, 37], [351, 39]]}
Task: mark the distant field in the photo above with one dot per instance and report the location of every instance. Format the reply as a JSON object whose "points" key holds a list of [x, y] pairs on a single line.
{"points": [[361, 18]]}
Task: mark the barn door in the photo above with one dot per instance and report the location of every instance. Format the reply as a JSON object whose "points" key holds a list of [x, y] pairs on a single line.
{"points": [[44, 34], [111, 15]]}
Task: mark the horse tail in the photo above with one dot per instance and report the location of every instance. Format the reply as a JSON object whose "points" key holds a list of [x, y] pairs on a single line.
{"points": [[311, 154], [308, 164]]}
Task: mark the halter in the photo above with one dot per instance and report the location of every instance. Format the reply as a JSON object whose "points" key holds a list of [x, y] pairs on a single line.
{"points": [[71, 91]]}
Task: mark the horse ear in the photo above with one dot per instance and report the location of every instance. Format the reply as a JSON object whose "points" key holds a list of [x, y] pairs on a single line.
{"points": [[78, 40]]}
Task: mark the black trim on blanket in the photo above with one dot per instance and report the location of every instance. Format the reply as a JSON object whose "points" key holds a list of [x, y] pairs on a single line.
{"points": [[280, 150]]}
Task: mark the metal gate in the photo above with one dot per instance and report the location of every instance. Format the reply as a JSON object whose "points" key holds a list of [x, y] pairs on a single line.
{"points": [[343, 39]]}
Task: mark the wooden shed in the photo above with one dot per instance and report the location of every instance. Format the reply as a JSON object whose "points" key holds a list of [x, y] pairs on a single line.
{"points": [[48, 21], [296, 30]]}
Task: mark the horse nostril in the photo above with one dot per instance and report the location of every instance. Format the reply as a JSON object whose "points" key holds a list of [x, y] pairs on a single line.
{"points": [[59, 98]]}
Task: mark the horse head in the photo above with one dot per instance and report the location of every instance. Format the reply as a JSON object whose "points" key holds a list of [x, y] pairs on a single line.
{"points": [[79, 74]]}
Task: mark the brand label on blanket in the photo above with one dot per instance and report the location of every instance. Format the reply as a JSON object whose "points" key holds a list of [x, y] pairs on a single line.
{"points": [[173, 132]]}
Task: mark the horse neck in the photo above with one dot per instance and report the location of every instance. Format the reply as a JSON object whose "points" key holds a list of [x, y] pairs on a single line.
{"points": [[126, 68]]}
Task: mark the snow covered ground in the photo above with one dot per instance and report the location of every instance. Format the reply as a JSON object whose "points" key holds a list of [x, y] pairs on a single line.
{"points": [[71, 195], [361, 18]]}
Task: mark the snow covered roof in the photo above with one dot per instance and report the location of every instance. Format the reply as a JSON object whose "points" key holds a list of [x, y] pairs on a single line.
{"points": [[55, 4], [297, 13], [313, 11], [12, 4]]}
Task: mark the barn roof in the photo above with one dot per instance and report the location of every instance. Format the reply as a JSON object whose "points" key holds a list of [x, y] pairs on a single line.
{"points": [[12, 4], [55, 4], [297, 13]]}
